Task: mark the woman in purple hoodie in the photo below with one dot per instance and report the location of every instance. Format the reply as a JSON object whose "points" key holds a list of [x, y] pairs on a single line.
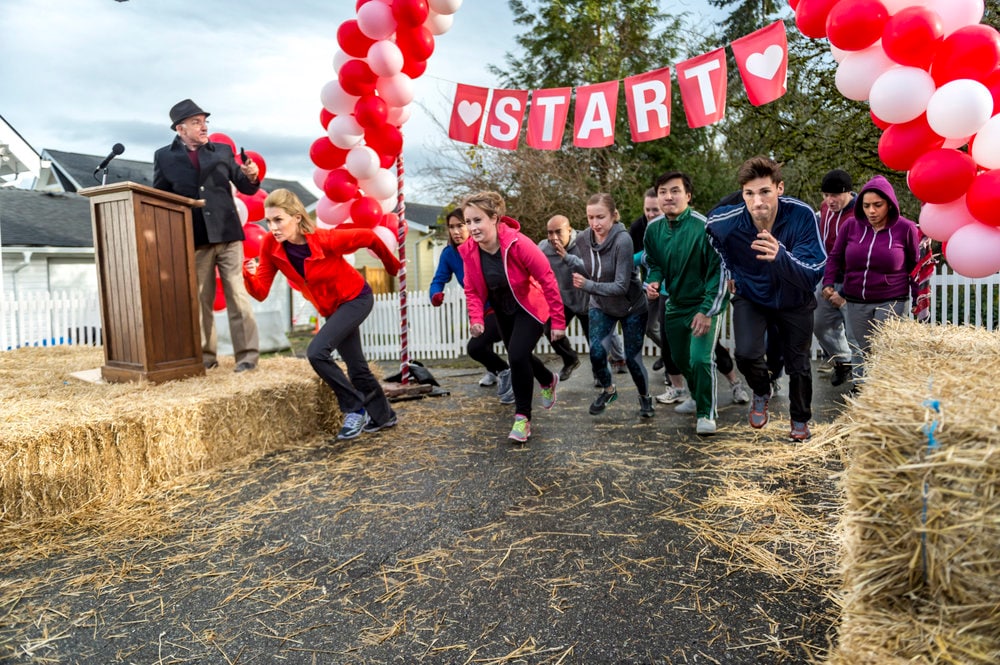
{"points": [[876, 252]]}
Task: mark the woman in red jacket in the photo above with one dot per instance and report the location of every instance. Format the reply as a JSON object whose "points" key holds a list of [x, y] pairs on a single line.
{"points": [[506, 268], [313, 262]]}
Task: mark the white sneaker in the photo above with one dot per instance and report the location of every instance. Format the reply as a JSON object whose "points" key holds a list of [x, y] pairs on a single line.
{"points": [[673, 395], [489, 379], [705, 426], [687, 406], [740, 394]]}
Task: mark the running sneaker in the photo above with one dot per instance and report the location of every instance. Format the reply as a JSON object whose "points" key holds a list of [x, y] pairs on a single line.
{"points": [[354, 424], [489, 379], [687, 406], [521, 429], [758, 411], [740, 393], [373, 427], [705, 426], [673, 394], [601, 401], [549, 393], [567, 370], [799, 431]]}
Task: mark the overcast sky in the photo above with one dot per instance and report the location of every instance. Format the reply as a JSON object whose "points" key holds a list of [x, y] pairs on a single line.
{"points": [[82, 75]]}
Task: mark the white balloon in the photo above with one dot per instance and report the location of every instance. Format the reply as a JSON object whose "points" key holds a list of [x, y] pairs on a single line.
{"points": [[438, 24], [838, 53], [986, 147], [241, 210], [398, 115], [957, 143], [385, 58], [362, 162], [901, 94], [396, 90], [335, 100], [339, 58], [319, 177], [956, 14], [959, 108], [375, 20], [940, 220], [444, 6], [974, 250], [380, 186], [387, 237], [330, 213], [859, 69], [345, 132], [389, 204]]}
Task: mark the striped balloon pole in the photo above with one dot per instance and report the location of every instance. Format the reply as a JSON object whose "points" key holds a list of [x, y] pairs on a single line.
{"points": [[404, 326]]}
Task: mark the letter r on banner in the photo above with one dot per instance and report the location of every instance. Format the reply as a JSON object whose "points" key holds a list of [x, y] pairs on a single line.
{"points": [[503, 126], [547, 118], [467, 113], [702, 81], [647, 97], [594, 117]]}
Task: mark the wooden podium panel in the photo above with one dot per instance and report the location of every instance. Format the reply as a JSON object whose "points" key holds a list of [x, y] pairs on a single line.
{"points": [[144, 246]]}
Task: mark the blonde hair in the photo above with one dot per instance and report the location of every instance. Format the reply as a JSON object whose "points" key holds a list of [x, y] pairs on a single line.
{"points": [[606, 200], [489, 202], [290, 203]]}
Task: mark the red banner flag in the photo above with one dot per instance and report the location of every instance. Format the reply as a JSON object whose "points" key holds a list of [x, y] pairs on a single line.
{"points": [[702, 81], [647, 98], [547, 119], [762, 58], [467, 113], [594, 117], [503, 126]]}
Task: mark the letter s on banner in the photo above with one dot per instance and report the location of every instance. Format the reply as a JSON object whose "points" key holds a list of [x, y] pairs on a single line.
{"points": [[503, 126], [547, 118], [702, 81], [467, 113], [647, 97]]}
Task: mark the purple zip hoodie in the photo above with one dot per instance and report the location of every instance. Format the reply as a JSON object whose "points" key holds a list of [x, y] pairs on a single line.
{"points": [[876, 265]]}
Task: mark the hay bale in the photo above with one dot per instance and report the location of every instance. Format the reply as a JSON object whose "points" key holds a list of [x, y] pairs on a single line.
{"points": [[66, 444], [921, 526]]}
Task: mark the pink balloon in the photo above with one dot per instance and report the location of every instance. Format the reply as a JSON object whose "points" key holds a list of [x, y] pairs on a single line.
{"points": [[396, 90], [940, 176], [940, 220], [855, 25], [388, 239], [974, 250], [319, 176], [385, 58], [375, 20], [858, 71], [331, 213], [956, 14]]}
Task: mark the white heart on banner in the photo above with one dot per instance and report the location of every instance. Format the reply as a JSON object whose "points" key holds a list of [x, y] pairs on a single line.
{"points": [[469, 112], [765, 65]]}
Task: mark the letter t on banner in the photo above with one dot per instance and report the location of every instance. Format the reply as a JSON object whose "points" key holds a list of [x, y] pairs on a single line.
{"points": [[467, 113], [702, 81], [647, 97], [762, 58], [547, 118], [503, 127], [594, 118]]}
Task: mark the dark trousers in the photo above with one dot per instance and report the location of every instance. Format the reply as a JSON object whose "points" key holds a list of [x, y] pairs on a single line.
{"points": [[659, 306], [794, 328], [358, 388], [562, 347], [633, 330], [480, 348], [521, 331]]}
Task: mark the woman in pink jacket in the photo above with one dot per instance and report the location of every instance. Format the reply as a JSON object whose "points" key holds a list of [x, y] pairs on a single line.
{"points": [[504, 267]]}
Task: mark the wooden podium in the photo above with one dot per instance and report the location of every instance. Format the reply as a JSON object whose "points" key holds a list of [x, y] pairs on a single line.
{"points": [[144, 246]]}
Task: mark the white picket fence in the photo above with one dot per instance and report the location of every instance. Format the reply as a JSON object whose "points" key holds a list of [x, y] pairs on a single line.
{"points": [[434, 332]]}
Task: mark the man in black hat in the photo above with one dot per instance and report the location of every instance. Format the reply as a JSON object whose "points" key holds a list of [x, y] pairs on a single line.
{"points": [[828, 321], [195, 167]]}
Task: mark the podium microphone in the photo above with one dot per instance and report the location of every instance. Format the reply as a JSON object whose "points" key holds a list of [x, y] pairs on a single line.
{"points": [[116, 150]]}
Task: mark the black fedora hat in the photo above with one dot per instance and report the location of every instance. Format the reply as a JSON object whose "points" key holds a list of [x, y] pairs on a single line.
{"points": [[183, 110]]}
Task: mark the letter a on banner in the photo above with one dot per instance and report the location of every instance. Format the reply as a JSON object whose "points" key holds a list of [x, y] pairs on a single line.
{"points": [[594, 118], [762, 58], [467, 113], [702, 81], [647, 97], [547, 118], [503, 126]]}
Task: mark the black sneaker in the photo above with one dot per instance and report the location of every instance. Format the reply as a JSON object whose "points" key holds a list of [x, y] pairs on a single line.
{"points": [[601, 401], [646, 406], [841, 373], [567, 370], [373, 427], [658, 365]]}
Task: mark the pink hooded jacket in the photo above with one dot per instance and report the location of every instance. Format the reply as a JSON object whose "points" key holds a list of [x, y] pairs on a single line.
{"points": [[528, 271]]}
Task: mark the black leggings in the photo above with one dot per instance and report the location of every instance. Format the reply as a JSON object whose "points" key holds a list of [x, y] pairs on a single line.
{"points": [[521, 331], [480, 348]]}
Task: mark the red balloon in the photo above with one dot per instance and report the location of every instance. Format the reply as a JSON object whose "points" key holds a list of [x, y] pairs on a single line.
{"points": [[391, 221], [352, 41], [219, 303], [326, 155], [878, 122], [357, 78], [810, 17], [257, 159], [366, 212], [254, 239], [942, 175], [912, 36], [219, 137], [410, 12], [325, 117], [983, 197], [340, 185], [855, 25], [386, 139], [416, 43], [901, 144], [993, 83], [414, 68], [794, 4], [255, 206], [371, 111], [972, 52]]}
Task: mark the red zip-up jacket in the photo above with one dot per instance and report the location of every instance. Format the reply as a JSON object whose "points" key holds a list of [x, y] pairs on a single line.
{"points": [[329, 280]]}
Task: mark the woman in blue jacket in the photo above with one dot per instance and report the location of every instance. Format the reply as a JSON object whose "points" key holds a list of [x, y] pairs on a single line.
{"points": [[479, 348]]}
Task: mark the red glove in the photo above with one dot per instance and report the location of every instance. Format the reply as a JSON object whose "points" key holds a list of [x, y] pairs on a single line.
{"points": [[437, 298]]}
